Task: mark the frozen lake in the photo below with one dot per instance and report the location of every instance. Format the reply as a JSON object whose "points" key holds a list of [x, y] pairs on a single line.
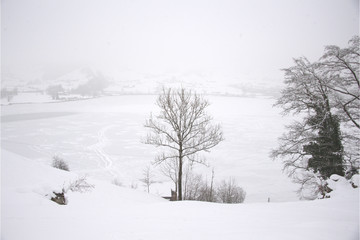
{"points": [[102, 138]]}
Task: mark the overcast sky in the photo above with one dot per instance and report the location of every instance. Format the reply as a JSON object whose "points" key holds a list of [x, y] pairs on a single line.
{"points": [[254, 38]]}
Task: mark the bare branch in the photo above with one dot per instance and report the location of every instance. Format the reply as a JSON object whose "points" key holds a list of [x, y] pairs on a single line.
{"points": [[183, 127]]}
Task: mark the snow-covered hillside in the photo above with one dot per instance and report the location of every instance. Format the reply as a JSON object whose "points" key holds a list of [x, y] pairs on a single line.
{"points": [[112, 212], [127, 81]]}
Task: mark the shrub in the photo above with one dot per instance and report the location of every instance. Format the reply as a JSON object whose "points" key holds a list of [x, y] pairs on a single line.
{"points": [[59, 163], [117, 182], [194, 183], [80, 185], [230, 192], [199, 189]]}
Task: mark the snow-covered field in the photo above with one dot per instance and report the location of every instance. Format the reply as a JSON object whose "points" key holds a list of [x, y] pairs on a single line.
{"points": [[101, 138], [112, 212]]}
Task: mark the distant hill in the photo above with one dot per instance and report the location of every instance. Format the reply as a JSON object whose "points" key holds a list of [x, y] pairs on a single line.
{"points": [[127, 81]]}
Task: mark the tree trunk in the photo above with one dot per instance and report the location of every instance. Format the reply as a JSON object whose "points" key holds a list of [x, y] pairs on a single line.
{"points": [[180, 179]]}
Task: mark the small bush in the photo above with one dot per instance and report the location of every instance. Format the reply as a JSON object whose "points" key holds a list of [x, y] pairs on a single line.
{"points": [[134, 185], [199, 189], [80, 185], [230, 192], [60, 163], [117, 182], [195, 187]]}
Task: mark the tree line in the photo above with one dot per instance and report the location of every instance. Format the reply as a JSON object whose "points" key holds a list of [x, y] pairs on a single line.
{"points": [[94, 86]]}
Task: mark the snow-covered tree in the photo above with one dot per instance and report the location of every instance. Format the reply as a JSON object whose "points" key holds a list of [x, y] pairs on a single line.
{"points": [[315, 139], [325, 96], [183, 129], [54, 91], [341, 68]]}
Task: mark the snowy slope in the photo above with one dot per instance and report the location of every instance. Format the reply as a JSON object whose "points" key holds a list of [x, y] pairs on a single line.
{"points": [[112, 212]]}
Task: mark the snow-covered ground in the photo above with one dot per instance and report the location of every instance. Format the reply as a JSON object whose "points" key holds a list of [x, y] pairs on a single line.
{"points": [[102, 138], [113, 212]]}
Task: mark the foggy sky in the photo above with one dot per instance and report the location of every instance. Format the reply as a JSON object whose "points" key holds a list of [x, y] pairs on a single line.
{"points": [[254, 38]]}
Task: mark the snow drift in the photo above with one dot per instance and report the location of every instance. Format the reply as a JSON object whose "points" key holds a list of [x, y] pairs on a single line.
{"points": [[112, 212]]}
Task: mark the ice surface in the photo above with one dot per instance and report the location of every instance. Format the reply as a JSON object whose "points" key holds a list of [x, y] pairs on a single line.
{"points": [[102, 138]]}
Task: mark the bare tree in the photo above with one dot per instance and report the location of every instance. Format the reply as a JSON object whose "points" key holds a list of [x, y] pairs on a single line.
{"points": [[148, 178], [341, 67], [192, 184], [230, 192], [211, 193], [183, 128]]}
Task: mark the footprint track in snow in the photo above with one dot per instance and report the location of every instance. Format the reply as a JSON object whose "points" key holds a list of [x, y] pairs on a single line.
{"points": [[104, 160]]}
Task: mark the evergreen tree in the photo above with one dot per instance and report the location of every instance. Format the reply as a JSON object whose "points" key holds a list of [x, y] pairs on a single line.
{"points": [[326, 150]]}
